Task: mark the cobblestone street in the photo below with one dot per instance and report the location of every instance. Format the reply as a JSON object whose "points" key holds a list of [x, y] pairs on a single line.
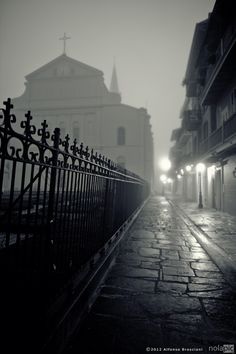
{"points": [[163, 293]]}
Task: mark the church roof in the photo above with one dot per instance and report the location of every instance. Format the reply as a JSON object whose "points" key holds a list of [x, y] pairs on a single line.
{"points": [[63, 58]]}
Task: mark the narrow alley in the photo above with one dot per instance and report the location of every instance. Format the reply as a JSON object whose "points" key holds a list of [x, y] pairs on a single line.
{"points": [[163, 293]]}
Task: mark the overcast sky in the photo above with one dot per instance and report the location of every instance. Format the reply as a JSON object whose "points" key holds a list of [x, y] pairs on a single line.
{"points": [[150, 40]]}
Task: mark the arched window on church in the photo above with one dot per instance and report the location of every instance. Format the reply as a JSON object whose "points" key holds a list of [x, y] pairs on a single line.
{"points": [[121, 161], [76, 131], [121, 136]]}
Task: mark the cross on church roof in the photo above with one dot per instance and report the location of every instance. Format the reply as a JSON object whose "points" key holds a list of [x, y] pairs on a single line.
{"points": [[64, 39]]}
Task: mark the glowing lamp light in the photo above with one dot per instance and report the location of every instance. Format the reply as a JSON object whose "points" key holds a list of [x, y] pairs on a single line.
{"points": [[179, 176], [165, 164], [188, 168], [200, 167], [169, 180], [163, 178]]}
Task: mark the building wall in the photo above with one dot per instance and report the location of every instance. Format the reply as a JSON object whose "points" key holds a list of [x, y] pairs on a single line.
{"points": [[230, 186], [73, 97], [210, 76], [191, 187]]}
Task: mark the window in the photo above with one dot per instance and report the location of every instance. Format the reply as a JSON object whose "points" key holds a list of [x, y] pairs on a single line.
{"points": [[225, 114], [205, 130], [76, 131], [213, 118], [195, 145], [121, 136], [90, 128], [233, 100]]}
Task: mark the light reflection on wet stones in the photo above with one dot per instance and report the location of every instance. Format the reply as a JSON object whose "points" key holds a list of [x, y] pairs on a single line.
{"points": [[162, 290]]}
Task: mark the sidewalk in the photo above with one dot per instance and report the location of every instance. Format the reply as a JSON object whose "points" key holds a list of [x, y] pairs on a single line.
{"points": [[219, 226], [163, 293]]}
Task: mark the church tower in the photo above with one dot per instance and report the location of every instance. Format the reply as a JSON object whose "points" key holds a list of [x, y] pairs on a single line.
{"points": [[114, 88]]}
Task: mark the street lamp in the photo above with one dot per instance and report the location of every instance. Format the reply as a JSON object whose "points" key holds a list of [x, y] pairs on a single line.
{"points": [[165, 164], [188, 168], [163, 178], [200, 169]]}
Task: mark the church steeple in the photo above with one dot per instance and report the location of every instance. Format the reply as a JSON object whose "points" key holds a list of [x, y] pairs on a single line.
{"points": [[114, 81]]}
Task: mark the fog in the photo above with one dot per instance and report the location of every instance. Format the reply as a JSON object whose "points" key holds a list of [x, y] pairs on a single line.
{"points": [[149, 39]]}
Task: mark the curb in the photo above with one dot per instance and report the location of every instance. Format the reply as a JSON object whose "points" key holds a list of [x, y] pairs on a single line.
{"points": [[222, 260]]}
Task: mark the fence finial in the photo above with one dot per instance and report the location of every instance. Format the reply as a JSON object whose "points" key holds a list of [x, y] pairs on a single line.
{"points": [[8, 118], [43, 132], [29, 129]]}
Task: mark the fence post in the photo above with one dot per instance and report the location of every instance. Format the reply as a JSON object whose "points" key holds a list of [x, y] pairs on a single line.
{"points": [[51, 198], [53, 174], [8, 118]]}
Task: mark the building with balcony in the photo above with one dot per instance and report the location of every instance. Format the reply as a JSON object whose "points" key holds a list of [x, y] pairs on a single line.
{"points": [[208, 117]]}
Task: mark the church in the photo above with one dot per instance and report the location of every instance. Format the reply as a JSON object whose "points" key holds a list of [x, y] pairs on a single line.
{"points": [[73, 96]]}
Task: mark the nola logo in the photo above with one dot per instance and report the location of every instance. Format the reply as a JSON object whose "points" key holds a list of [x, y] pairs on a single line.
{"points": [[225, 348], [228, 348]]}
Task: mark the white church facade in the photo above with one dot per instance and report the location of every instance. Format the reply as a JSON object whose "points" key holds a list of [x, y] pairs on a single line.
{"points": [[73, 96]]}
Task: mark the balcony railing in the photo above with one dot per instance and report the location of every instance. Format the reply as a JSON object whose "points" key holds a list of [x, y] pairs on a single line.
{"points": [[230, 126], [219, 136], [224, 51], [203, 147], [191, 120], [215, 138]]}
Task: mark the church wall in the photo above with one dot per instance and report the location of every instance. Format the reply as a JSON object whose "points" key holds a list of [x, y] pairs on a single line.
{"points": [[79, 103], [98, 127], [129, 118]]}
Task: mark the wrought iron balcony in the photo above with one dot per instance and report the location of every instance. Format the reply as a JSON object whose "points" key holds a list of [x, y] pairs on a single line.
{"points": [[219, 136], [230, 127], [184, 137], [191, 119], [221, 71], [176, 134]]}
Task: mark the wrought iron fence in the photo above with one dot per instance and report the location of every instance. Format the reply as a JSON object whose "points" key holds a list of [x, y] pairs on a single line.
{"points": [[59, 203]]}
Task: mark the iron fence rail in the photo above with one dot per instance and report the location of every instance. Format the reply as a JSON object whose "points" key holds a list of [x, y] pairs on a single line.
{"points": [[219, 136], [59, 203]]}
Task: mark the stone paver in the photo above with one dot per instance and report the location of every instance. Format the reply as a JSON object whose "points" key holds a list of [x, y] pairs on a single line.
{"points": [[163, 292], [219, 226]]}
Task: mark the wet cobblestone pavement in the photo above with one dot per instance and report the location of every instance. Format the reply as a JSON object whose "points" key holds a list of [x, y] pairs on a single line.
{"points": [[163, 293], [219, 226]]}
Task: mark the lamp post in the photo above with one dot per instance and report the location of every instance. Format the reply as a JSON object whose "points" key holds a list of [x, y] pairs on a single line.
{"points": [[200, 169]]}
